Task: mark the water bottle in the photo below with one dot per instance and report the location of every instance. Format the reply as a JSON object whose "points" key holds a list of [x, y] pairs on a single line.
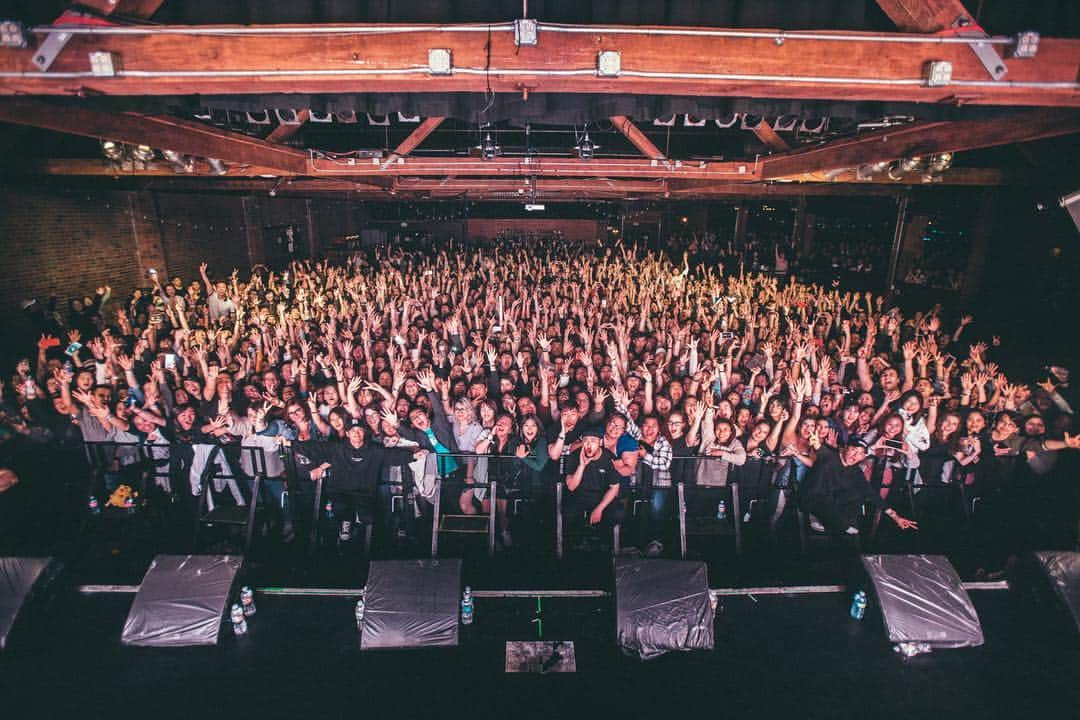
{"points": [[239, 624], [93, 506], [467, 606], [329, 510], [858, 605], [247, 601], [721, 510]]}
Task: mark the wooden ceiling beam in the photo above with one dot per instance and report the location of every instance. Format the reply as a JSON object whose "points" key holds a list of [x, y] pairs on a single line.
{"points": [[159, 132], [284, 131], [922, 139], [184, 60], [413, 140], [135, 9], [637, 138], [765, 133], [924, 16]]}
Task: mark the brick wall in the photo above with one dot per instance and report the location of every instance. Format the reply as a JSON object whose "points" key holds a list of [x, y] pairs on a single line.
{"points": [[199, 228]]}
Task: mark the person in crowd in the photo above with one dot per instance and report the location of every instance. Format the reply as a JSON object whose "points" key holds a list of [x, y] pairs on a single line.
{"points": [[695, 373]]}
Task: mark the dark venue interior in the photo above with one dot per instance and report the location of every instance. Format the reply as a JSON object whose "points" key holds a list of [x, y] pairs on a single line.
{"points": [[716, 351]]}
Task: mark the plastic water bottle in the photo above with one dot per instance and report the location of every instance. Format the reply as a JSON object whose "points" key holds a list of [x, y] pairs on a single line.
{"points": [[247, 601], [329, 510], [467, 606], [858, 605], [239, 624], [721, 510], [93, 506], [361, 605]]}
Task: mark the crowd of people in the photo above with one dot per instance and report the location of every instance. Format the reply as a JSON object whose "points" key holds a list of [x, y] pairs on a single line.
{"points": [[619, 371]]}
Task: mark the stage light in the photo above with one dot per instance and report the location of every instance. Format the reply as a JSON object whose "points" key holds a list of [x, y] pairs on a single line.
{"points": [[664, 122], [440, 61], [534, 207], [586, 149], [346, 117], [143, 153], [112, 150], [181, 163], [684, 219], [941, 162], [938, 73], [911, 164], [488, 149], [608, 63], [726, 121], [103, 64], [1026, 46], [895, 173], [217, 166], [319, 117], [12, 34]]}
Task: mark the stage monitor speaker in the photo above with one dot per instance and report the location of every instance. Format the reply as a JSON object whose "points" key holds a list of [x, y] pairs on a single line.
{"points": [[412, 604], [181, 601], [923, 601], [1047, 585], [661, 606], [21, 578]]}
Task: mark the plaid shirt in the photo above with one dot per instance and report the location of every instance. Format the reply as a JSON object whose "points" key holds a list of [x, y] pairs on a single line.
{"points": [[658, 459]]}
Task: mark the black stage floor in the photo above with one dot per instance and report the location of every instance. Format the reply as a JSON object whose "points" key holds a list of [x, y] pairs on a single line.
{"points": [[793, 657]]}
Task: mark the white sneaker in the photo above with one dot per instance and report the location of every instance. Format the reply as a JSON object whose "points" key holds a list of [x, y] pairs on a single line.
{"points": [[345, 534], [816, 525], [852, 530]]}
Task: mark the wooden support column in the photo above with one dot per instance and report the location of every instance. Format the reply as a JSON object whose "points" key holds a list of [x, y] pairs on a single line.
{"points": [[982, 230], [146, 232], [253, 226], [898, 236]]}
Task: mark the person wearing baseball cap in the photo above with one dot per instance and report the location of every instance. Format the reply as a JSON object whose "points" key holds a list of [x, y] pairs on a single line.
{"points": [[836, 488], [593, 486]]}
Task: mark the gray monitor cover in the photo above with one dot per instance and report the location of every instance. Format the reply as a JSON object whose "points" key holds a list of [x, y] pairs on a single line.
{"points": [[181, 601], [412, 603], [662, 605], [922, 600], [1063, 570], [19, 578]]}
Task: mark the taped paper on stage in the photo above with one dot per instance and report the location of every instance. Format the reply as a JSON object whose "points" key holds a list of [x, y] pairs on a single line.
{"points": [[540, 656]]}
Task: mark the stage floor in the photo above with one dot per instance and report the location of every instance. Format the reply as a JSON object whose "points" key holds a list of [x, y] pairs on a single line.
{"points": [[796, 657]]}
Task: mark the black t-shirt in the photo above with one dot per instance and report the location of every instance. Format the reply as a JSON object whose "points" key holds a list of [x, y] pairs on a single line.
{"points": [[598, 477]]}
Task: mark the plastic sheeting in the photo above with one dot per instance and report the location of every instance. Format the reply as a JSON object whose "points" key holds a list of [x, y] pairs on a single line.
{"points": [[19, 579], [411, 604], [661, 606], [1063, 571], [181, 601], [922, 600]]}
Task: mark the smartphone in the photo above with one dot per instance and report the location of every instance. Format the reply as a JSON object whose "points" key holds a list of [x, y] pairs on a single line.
{"points": [[170, 361], [727, 336], [73, 348], [894, 444]]}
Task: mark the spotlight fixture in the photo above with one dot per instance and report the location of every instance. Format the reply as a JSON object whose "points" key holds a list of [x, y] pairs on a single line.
{"points": [[726, 121], [586, 148], [217, 166], [1026, 45], [318, 117], [664, 122], [258, 117], [488, 149], [12, 34], [911, 164], [143, 153], [895, 173], [103, 64], [112, 150], [346, 117], [286, 116], [181, 163], [608, 63], [938, 73], [440, 61], [941, 162]]}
